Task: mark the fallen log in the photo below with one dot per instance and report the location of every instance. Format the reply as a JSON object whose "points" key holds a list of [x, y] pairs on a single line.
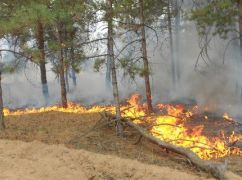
{"points": [[216, 169]]}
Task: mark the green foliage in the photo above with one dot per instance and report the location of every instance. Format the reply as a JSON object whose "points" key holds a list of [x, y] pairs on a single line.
{"points": [[130, 68], [9, 68], [126, 15], [21, 19], [128, 10], [220, 15], [98, 64]]}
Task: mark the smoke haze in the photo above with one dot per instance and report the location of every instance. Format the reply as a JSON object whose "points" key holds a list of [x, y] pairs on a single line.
{"points": [[214, 84]]}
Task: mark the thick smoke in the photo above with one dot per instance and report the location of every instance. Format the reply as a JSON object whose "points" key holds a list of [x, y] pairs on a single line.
{"points": [[215, 83], [23, 88]]}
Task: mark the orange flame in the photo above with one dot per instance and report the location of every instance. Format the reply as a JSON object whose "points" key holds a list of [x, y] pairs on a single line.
{"points": [[168, 125], [226, 117]]}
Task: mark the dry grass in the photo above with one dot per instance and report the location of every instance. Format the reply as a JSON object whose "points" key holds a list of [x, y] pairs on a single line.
{"points": [[71, 130]]}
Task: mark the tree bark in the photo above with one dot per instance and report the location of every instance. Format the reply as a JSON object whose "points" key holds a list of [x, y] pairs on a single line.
{"points": [[145, 58], [216, 169], [42, 62], [108, 79], [113, 68], [108, 74], [177, 39], [62, 67], [66, 68], [240, 39], [2, 124], [173, 64]]}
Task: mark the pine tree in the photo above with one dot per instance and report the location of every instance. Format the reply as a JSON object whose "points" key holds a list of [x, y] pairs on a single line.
{"points": [[137, 15], [113, 67], [51, 24], [219, 18]]}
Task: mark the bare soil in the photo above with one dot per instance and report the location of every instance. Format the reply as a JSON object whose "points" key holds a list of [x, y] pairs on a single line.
{"points": [[35, 160], [84, 133]]}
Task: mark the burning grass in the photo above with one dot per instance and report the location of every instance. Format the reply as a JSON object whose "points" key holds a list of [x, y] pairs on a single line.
{"points": [[169, 123], [82, 131], [65, 128]]}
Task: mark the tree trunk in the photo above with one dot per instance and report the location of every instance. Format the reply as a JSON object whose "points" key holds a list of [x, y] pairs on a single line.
{"points": [[42, 62], [240, 39], [2, 124], [173, 64], [108, 73], [113, 68], [62, 67], [66, 67], [177, 39], [108, 79], [216, 169], [145, 58]]}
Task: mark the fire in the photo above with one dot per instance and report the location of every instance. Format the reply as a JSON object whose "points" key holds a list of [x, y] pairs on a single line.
{"points": [[72, 108], [226, 117], [167, 124]]}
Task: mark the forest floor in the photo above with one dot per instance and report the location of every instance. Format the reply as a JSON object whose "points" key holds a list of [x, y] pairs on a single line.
{"points": [[79, 148]]}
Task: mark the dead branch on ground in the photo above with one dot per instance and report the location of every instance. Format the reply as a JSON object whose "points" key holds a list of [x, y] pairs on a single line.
{"points": [[216, 169]]}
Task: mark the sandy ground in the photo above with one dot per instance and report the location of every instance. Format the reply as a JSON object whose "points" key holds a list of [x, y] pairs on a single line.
{"points": [[35, 160], [81, 156]]}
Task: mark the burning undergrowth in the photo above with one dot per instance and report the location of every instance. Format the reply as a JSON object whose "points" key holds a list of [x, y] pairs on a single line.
{"points": [[208, 137]]}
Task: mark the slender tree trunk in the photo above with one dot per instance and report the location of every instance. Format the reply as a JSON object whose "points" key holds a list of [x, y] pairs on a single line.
{"points": [[108, 79], [62, 67], [2, 124], [42, 62], [145, 58], [67, 66], [173, 64], [129, 38], [177, 39], [108, 73], [240, 40], [113, 68]]}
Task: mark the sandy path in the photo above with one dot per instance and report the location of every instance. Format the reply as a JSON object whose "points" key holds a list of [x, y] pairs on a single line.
{"points": [[33, 161]]}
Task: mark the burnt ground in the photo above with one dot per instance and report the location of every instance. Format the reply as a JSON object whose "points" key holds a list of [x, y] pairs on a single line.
{"points": [[83, 131]]}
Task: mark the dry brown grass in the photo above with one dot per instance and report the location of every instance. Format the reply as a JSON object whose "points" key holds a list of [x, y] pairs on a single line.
{"points": [[71, 130]]}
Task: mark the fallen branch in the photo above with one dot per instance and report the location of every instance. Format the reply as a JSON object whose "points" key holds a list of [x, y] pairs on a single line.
{"points": [[216, 169]]}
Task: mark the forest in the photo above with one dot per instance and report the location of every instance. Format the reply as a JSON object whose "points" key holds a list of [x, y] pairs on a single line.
{"points": [[112, 77]]}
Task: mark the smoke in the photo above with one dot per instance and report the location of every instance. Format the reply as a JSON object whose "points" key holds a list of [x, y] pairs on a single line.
{"points": [[22, 89], [215, 83]]}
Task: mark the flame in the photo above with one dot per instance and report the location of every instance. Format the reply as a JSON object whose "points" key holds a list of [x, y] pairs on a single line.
{"points": [[226, 117], [168, 124]]}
